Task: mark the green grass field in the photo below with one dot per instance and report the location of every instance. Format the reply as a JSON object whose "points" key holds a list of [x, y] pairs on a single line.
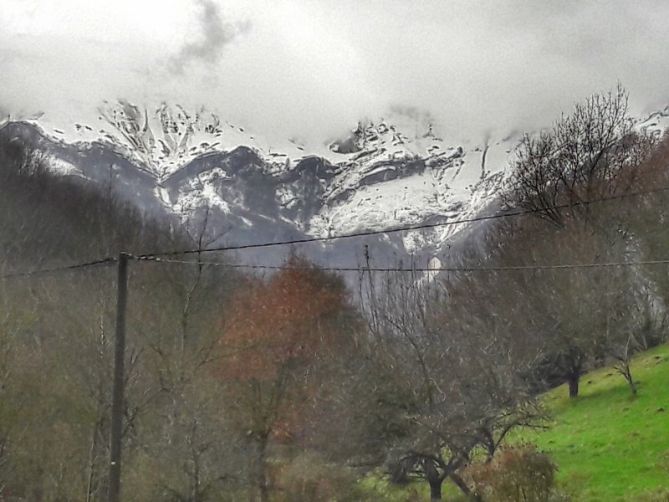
{"points": [[608, 445]]}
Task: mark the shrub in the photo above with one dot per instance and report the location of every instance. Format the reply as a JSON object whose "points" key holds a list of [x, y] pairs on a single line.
{"points": [[521, 474], [309, 478]]}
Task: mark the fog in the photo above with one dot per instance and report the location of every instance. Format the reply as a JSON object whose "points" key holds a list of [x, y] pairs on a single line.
{"points": [[312, 68]]}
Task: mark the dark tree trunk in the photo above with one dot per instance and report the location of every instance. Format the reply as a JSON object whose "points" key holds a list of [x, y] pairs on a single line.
{"points": [[490, 446], [435, 489], [261, 470], [433, 478], [263, 491], [573, 381], [571, 364]]}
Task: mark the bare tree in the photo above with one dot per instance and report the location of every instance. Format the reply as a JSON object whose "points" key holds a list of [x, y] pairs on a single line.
{"points": [[587, 155], [450, 389]]}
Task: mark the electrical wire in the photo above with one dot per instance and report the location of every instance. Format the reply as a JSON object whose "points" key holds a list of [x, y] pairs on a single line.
{"points": [[363, 269], [424, 226], [160, 256], [55, 270]]}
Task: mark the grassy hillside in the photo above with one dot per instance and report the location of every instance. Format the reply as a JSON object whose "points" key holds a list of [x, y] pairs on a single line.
{"points": [[608, 445]]}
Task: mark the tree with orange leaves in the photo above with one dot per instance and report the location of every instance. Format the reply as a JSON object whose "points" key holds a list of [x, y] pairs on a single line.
{"points": [[277, 334]]}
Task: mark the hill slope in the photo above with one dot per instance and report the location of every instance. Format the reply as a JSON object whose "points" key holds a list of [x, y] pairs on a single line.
{"points": [[608, 445]]}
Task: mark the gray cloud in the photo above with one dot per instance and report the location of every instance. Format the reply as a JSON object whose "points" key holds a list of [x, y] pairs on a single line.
{"points": [[215, 35], [313, 67]]}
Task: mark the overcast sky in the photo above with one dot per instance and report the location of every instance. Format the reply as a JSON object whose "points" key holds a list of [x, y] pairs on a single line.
{"points": [[313, 67]]}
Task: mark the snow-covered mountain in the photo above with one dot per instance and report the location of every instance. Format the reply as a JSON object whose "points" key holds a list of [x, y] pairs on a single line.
{"points": [[386, 173]]}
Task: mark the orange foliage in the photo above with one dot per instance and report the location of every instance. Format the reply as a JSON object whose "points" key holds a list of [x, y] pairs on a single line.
{"points": [[282, 323]]}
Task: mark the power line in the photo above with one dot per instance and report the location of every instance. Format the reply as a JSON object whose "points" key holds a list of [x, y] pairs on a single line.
{"points": [[405, 228], [157, 255], [510, 268], [54, 270]]}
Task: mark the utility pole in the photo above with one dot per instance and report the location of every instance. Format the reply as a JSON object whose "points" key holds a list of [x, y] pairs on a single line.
{"points": [[119, 381]]}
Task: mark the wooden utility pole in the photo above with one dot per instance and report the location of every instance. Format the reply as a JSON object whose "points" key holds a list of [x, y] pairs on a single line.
{"points": [[119, 381]]}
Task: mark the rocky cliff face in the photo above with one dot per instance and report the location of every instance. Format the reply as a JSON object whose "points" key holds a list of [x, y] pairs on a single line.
{"points": [[387, 173]]}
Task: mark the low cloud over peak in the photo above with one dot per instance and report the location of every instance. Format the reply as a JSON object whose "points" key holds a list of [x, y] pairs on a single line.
{"points": [[215, 35], [314, 67]]}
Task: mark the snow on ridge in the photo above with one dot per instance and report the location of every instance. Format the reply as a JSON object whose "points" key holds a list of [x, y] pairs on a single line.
{"points": [[63, 167], [382, 174], [656, 124], [391, 172], [164, 138]]}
